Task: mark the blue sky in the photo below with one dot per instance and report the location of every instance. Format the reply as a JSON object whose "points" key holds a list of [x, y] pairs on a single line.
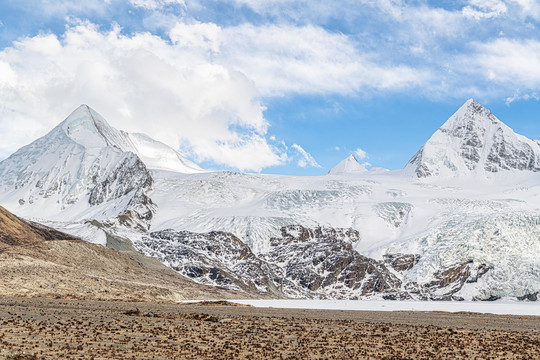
{"points": [[275, 86]]}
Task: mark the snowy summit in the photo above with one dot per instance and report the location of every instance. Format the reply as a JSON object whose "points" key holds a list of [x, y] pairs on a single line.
{"points": [[474, 142], [348, 166]]}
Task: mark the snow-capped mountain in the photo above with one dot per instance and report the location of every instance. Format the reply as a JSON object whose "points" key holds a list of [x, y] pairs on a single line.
{"points": [[473, 141], [86, 169], [438, 229], [348, 165]]}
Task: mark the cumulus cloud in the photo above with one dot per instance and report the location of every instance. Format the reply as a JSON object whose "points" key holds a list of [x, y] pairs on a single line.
{"points": [[507, 62], [201, 90], [139, 83], [306, 159], [283, 59]]}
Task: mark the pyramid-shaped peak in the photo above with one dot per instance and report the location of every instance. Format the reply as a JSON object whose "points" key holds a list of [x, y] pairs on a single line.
{"points": [[349, 165], [474, 141], [471, 114], [88, 128], [85, 115]]}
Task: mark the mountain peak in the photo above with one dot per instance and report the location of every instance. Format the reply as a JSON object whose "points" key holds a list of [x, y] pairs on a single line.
{"points": [[474, 140], [89, 129], [471, 114], [349, 165]]}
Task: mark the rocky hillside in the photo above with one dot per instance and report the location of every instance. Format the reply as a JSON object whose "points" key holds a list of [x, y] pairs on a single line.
{"points": [[17, 232], [38, 261]]}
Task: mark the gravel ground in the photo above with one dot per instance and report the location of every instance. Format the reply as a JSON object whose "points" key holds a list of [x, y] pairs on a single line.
{"points": [[34, 328]]}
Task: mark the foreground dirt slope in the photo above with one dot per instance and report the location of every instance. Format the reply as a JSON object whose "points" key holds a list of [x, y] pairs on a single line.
{"points": [[53, 329], [17, 232], [40, 261]]}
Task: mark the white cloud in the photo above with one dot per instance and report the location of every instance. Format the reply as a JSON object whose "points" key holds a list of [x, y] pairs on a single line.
{"points": [[509, 62], [480, 9], [529, 8], [139, 83], [517, 96], [283, 59], [360, 154], [155, 4], [306, 159]]}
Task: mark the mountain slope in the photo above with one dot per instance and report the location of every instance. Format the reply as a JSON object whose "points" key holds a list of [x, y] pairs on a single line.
{"points": [[473, 141], [16, 232], [36, 260]]}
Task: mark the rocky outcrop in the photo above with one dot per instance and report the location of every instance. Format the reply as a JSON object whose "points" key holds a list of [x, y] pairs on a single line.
{"points": [[302, 262], [128, 175], [131, 179], [449, 281], [214, 258], [321, 263], [401, 262]]}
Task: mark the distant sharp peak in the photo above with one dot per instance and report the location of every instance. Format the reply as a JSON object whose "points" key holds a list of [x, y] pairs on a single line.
{"points": [[349, 165], [474, 142]]}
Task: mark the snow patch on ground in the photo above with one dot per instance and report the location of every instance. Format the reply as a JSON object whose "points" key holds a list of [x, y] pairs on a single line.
{"points": [[496, 307]]}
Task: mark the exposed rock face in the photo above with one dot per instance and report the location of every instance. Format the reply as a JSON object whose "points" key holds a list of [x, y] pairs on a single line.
{"points": [[474, 140], [214, 258], [130, 179], [128, 175], [401, 262], [321, 263], [448, 282], [309, 263], [303, 262], [298, 233]]}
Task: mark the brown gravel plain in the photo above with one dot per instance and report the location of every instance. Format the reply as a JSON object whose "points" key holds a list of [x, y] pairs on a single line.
{"points": [[37, 328]]}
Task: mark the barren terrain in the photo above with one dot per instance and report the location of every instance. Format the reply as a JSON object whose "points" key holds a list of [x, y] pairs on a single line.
{"points": [[76, 329], [38, 261]]}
